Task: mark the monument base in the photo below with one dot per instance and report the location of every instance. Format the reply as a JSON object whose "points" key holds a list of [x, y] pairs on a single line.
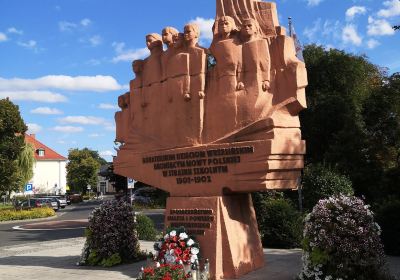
{"points": [[226, 229]]}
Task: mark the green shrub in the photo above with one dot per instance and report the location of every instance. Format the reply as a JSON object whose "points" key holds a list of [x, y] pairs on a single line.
{"points": [[280, 224], [320, 182], [388, 217], [145, 228]]}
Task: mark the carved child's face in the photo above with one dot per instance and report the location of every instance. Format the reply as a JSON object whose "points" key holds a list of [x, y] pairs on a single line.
{"points": [[137, 66], [190, 34], [167, 37], [178, 40], [224, 26], [151, 42], [248, 28]]}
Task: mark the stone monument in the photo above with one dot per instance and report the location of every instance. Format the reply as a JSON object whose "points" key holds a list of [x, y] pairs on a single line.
{"points": [[212, 133]]}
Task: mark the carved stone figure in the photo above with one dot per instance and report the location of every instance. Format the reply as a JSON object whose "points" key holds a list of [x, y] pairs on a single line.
{"points": [[197, 73], [221, 93], [255, 75], [152, 77]]}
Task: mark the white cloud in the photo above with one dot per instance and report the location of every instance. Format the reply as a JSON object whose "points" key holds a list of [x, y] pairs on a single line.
{"points": [[107, 153], [311, 32], [33, 128], [379, 27], [15, 31], [33, 95], [355, 10], [128, 55], [79, 83], [31, 44], [372, 43], [107, 106], [95, 135], [392, 10], [350, 35], [3, 37], [46, 111], [84, 120], [205, 26], [86, 22], [95, 40], [68, 129], [312, 3], [70, 26], [110, 127], [67, 26]]}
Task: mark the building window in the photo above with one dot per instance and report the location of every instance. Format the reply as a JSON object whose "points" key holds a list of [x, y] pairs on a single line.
{"points": [[40, 152]]}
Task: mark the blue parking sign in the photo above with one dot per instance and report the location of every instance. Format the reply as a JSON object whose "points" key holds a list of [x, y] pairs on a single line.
{"points": [[28, 187]]}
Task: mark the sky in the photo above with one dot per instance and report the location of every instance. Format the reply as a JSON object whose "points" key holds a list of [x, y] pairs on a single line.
{"points": [[64, 63]]}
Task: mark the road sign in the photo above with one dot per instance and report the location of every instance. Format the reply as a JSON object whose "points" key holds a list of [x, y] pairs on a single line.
{"points": [[131, 183], [29, 188]]}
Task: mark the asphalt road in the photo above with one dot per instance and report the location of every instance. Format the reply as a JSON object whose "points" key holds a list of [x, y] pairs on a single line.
{"points": [[10, 236]]}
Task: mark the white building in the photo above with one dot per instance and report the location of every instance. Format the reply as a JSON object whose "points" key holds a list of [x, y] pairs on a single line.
{"points": [[49, 171]]}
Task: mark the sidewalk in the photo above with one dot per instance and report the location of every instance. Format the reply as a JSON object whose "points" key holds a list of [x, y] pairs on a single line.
{"points": [[57, 260]]}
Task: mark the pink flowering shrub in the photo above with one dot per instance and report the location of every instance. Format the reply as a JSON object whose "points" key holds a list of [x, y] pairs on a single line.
{"points": [[341, 241], [111, 235]]}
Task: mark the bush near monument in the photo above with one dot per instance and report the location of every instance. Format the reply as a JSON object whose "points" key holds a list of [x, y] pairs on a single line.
{"points": [[320, 182], [111, 235], [341, 241], [11, 215], [280, 224], [145, 228], [388, 217]]}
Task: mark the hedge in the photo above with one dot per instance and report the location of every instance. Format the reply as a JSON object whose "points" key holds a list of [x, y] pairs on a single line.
{"points": [[11, 215]]}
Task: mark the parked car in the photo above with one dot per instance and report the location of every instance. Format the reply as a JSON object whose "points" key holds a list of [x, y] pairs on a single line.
{"points": [[33, 203], [62, 200], [143, 195], [74, 197], [53, 201]]}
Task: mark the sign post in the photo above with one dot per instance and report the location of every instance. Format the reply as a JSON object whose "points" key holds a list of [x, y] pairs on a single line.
{"points": [[29, 190], [131, 186]]}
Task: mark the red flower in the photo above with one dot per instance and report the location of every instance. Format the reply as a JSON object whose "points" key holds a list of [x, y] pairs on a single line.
{"points": [[178, 251], [182, 244]]}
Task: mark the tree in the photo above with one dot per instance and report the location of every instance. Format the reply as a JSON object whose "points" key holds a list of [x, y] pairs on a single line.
{"points": [[25, 163], [82, 168], [333, 125], [12, 130]]}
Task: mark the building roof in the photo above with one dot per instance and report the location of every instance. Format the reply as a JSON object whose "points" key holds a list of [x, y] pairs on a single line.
{"points": [[49, 154]]}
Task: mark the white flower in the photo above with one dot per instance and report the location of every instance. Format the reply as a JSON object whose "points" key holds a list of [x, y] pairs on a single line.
{"points": [[166, 236], [157, 264], [193, 258], [172, 233], [159, 244], [183, 236], [172, 252], [190, 242], [194, 250], [170, 259]]}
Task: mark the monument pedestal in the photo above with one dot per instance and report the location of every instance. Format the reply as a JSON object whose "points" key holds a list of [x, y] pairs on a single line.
{"points": [[226, 229]]}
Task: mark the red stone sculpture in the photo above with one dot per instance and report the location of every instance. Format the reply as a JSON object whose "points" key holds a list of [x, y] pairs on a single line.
{"points": [[212, 134]]}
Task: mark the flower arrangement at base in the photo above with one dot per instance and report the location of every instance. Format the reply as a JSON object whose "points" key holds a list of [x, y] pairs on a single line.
{"points": [[176, 258], [177, 248], [341, 241], [164, 272]]}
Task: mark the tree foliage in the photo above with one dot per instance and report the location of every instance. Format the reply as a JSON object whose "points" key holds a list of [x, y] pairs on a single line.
{"points": [[340, 85], [82, 168], [25, 163], [12, 130]]}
